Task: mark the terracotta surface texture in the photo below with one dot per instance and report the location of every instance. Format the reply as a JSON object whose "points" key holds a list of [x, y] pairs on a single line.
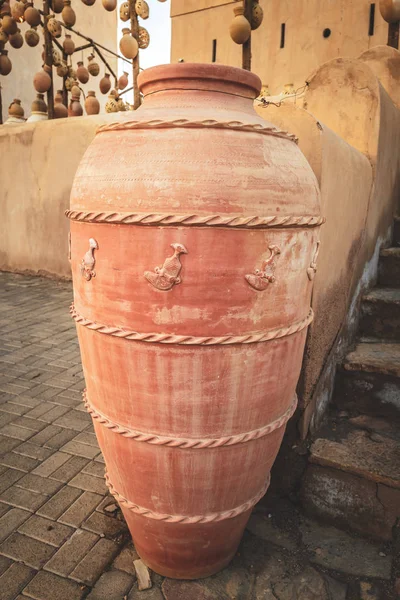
{"points": [[194, 239]]}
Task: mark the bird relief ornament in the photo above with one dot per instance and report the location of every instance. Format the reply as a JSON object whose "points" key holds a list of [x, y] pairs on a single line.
{"points": [[89, 261], [164, 278], [261, 278]]}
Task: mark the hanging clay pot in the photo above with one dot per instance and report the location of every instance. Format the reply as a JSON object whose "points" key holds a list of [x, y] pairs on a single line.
{"points": [[69, 83], [60, 110], [123, 81], [121, 104], [144, 38], [68, 14], [5, 63], [32, 37], [3, 36], [93, 66], [82, 73], [128, 45], [68, 44], [42, 80], [105, 84], [54, 27], [124, 11], [62, 70], [390, 10], [17, 11], [16, 40], [56, 57], [257, 15], [92, 105], [111, 104], [15, 109], [57, 5], [39, 105], [32, 15], [89, 2], [190, 421], [9, 25], [109, 5], [75, 108], [239, 28], [142, 9], [76, 90]]}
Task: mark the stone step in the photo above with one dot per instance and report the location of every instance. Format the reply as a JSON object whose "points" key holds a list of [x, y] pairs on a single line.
{"points": [[389, 267], [380, 313], [396, 231], [368, 382], [353, 480]]}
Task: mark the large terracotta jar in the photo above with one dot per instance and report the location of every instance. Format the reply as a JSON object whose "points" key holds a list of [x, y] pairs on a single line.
{"points": [[194, 234]]}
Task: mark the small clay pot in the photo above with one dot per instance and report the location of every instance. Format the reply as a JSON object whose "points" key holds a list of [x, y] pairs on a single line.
{"points": [[111, 104], [8, 25], [69, 83], [62, 70], [142, 9], [57, 60], [17, 11], [15, 109], [54, 27], [144, 38], [5, 63], [60, 110], [68, 44], [390, 10], [105, 84], [239, 28], [92, 105], [121, 104], [123, 81], [3, 36], [128, 45], [42, 80], [32, 37], [16, 40], [124, 11], [109, 5], [89, 2], [32, 15], [57, 5], [76, 90], [82, 73], [39, 105], [75, 108], [68, 14], [93, 66], [257, 15]]}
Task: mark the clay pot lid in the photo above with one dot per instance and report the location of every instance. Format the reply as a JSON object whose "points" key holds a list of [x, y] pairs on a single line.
{"points": [[200, 76]]}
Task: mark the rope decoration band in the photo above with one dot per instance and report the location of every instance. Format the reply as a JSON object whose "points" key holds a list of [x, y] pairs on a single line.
{"points": [[232, 221], [184, 519], [203, 124], [192, 443], [191, 340]]}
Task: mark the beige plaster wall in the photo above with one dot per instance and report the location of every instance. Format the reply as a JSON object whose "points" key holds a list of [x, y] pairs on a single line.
{"points": [[93, 21], [35, 192], [195, 24]]}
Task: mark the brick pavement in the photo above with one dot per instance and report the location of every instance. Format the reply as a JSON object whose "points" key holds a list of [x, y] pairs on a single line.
{"points": [[55, 539]]}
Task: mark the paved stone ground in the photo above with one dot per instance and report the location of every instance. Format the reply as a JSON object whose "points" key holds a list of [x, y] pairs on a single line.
{"points": [[60, 537]]}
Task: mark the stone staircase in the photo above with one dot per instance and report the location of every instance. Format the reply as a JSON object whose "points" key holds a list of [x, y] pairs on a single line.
{"points": [[353, 475]]}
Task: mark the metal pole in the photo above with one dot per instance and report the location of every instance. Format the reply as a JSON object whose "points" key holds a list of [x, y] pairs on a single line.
{"points": [[246, 48], [48, 59], [135, 62], [393, 35]]}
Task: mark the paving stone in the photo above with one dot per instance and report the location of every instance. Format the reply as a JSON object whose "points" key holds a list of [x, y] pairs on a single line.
{"points": [[79, 449], [263, 527], [95, 469], [46, 434], [60, 438], [6, 418], [9, 477], [7, 444], [72, 552], [334, 549], [81, 509], [51, 464], [112, 584], [11, 520], [41, 409], [156, 594], [58, 504], [4, 564], [14, 431], [87, 438], [33, 451], [74, 420], [35, 483], [54, 413], [125, 560], [45, 530], [27, 550], [70, 468], [32, 424], [47, 586], [89, 483], [101, 524], [21, 498], [15, 409], [95, 561], [14, 580], [20, 462]]}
